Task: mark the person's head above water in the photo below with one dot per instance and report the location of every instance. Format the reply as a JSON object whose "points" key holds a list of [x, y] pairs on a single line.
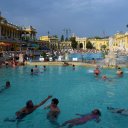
{"points": [[96, 112], [55, 101], [104, 77], [119, 68], [35, 66], [8, 84], [29, 104], [31, 70]]}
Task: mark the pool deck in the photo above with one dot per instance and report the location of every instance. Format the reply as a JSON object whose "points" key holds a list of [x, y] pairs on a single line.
{"points": [[59, 63]]}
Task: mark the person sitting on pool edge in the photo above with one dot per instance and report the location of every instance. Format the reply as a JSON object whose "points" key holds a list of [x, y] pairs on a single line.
{"points": [[94, 115], [54, 110], [28, 109]]}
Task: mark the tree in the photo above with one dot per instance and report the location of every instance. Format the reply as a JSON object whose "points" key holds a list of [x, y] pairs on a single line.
{"points": [[66, 39], [97, 37], [89, 45], [103, 47], [55, 36], [80, 45], [73, 42], [62, 38]]}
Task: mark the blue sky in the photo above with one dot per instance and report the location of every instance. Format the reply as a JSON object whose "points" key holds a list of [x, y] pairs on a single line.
{"points": [[85, 18]]}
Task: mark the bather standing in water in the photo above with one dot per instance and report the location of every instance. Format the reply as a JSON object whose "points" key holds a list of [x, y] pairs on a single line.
{"points": [[54, 111]]}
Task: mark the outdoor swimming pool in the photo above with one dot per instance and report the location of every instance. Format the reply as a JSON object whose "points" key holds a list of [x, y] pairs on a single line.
{"points": [[77, 90], [86, 56]]}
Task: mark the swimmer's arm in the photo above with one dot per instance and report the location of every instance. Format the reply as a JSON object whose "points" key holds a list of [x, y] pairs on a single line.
{"points": [[82, 114], [47, 107], [38, 105]]}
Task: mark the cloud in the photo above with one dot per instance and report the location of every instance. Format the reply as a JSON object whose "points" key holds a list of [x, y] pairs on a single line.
{"points": [[82, 16]]}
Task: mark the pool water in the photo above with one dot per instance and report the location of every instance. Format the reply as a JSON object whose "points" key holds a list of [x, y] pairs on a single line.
{"points": [[78, 91], [86, 56]]}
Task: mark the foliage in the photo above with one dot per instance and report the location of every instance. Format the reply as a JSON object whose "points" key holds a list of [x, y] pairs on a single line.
{"points": [[89, 45], [73, 42], [62, 38], [66, 39], [55, 36], [97, 37], [103, 46], [43, 54], [80, 45]]}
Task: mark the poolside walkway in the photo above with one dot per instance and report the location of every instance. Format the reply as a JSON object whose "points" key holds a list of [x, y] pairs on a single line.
{"points": [[56, 63], [61, 64]]}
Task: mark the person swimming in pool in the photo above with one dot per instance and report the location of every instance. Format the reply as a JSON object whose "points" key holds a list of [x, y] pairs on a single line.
{"points": [[44, 68], [96, 71], [6, 86], [73, 67], [94, 115], [119, 72], [28, 109], [36, 69], [104, 77], [118, 110], [54, 111], [32, 71]]}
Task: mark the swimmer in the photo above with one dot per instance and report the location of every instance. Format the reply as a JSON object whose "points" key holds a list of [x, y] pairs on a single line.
{"points": [[94, 115], [118, 110], [7, 85], [32, 72], [53, 110], [96, 71], [35, 69], [104, 77], [28, 109], [44, 67], [119, 72], [73, 67]]}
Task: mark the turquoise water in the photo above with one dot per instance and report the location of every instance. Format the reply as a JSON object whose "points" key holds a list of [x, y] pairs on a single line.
{"points": [[77, 90], [86, 56]]}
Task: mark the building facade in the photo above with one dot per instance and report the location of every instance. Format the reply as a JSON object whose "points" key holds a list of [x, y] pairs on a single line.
{"points": [[97, 43], [51, 41], [81, 41], [13, 33], [65, 45], [120, 42]]}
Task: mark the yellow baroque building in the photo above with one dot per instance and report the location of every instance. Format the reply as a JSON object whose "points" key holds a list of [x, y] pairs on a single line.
{"points": [[10, 33], [97, 43], [50, 41], [119, 42], [65, 45]]}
